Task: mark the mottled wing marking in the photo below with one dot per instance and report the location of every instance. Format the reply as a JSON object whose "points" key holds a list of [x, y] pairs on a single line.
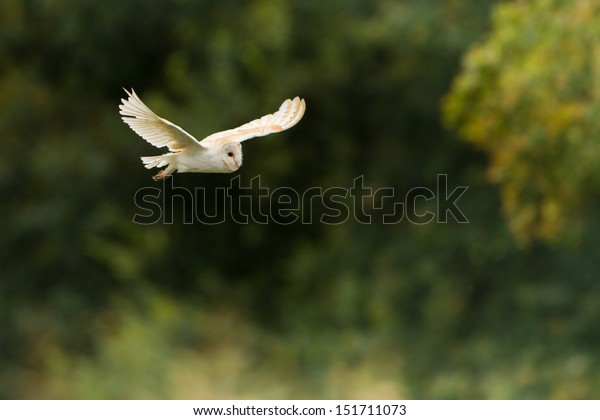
{"points": [[288, 115]]}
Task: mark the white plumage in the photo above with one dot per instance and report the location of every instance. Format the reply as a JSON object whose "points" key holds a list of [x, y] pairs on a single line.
{"points": [[220, 152]]}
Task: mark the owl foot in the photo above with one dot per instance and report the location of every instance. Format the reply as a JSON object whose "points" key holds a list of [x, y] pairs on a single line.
{"points": [[161, 175]]}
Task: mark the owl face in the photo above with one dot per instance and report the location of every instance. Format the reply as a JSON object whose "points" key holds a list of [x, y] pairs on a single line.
{"points": [[231, 155]]}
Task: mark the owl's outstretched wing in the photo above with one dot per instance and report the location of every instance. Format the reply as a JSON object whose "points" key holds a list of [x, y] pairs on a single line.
{"points": [[155, 130], [288, 115]]}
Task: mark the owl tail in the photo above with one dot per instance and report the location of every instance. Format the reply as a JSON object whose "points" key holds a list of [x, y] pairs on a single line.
{"points": [[155, 161]]}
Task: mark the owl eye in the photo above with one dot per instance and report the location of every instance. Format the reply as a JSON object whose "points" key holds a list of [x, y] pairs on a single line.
{"points": [[230, 154]]}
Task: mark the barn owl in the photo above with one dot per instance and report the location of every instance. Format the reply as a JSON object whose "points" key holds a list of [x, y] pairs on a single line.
{"points": [[218, 153]]}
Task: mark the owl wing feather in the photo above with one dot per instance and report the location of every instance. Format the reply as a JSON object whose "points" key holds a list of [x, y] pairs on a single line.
{"points": [[288, 115], [155, 130]]}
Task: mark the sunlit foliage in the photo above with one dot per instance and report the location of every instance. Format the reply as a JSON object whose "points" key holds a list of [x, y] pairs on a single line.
{"points": [[530, 96]]}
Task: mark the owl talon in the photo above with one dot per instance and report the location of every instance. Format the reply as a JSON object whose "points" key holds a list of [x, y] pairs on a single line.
{"points": [[160, 175]]}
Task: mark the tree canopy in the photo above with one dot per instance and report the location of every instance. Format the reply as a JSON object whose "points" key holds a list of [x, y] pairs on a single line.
{"points": [[529, 96]]}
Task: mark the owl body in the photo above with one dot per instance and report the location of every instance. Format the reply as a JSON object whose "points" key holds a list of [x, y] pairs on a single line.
{"points": [[198, 159]]}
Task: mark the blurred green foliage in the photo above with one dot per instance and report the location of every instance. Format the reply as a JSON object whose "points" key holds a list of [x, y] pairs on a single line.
{"points": [[530, 96], [95, 306]]}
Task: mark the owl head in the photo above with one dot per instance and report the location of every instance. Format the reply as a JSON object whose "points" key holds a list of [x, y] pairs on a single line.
{"points": [[231, 156]]}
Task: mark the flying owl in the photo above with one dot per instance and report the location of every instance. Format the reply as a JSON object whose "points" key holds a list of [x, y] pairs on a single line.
{"points": [[218, 153]]}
